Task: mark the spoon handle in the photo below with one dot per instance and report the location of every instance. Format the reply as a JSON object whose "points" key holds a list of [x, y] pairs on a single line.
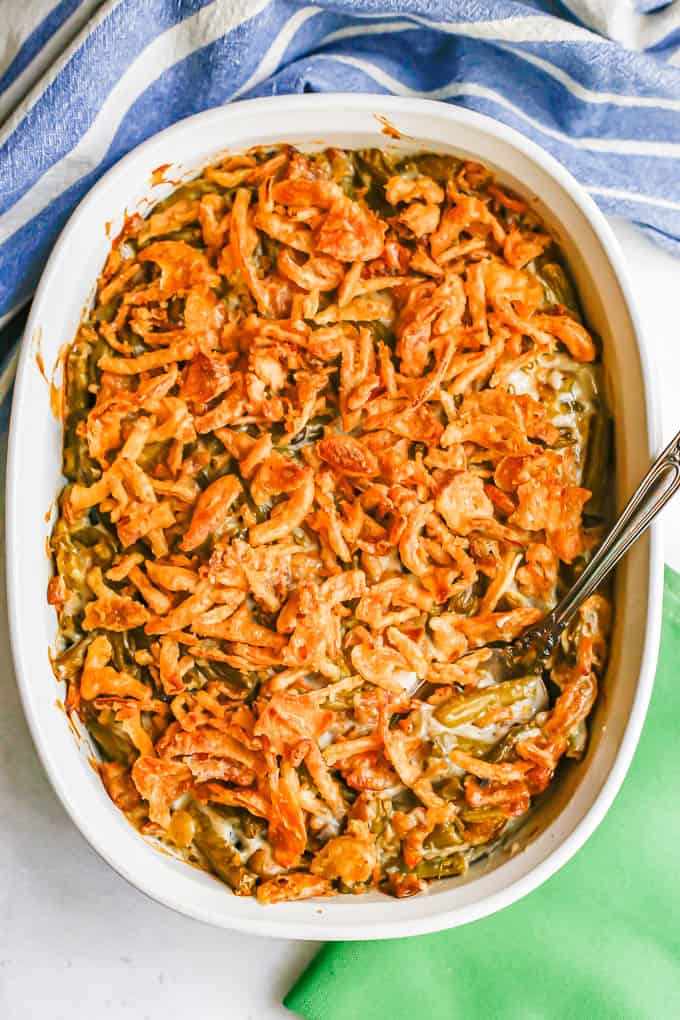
{"points": [[658, 486]]}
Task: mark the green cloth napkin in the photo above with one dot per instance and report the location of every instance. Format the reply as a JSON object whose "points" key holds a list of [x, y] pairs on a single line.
{"points": [[598, 941]]}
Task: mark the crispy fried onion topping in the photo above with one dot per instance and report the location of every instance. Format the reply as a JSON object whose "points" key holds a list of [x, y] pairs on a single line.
{"points": [[326, 431]]}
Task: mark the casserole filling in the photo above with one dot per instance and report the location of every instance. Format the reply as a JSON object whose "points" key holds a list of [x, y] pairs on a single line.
{"points": [[332, 427]]}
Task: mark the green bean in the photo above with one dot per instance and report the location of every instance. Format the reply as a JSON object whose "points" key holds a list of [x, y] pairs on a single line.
{"points": [[270, 249], [444, 836], [153, 454], [251, 826], [452, 789], [465, 602], [597, 473], [69, 662], [312, 431], [566, 438], [123, 653], [99, 540], [78, 466], [192, 191], [223, 858], [195, 190], [373, 169], [443, 867], [441, 168], [98, 350], [71, 564], [226, 673], [472, 746], [505, 750], [107, 311], [382, 333], [115, 744], [342, 171], [558, 287], [374, 165], [466, 708], [176, 309], [191, 235], [472, 816], [220, 463], [77, 396]]}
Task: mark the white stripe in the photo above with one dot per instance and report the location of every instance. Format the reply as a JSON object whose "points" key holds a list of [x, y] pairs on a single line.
{"points": [[632, 196], [45, 57], [203, 28], [532, 28], [272, 57], [621, 146], [380, 28]]}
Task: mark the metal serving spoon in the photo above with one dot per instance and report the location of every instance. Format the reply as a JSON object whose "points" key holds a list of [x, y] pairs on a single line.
{"points": [[528, 653]]}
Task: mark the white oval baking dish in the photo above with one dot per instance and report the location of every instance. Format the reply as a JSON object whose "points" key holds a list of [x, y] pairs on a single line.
{"points": [[579, 800]]}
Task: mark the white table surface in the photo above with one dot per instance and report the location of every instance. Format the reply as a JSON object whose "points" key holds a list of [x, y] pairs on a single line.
{"points": [[77, 942]]}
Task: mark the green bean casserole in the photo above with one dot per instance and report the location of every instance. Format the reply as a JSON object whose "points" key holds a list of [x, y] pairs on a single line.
{"points": [[332, 427]]}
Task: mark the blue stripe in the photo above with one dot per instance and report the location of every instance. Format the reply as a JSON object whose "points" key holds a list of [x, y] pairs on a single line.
{"points": [[37, 40]]}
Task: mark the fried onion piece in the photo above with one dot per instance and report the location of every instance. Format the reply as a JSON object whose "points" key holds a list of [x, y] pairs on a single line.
{"points": [[352, 857], [181, 266], [211, 509], [406, 189], [500, 626], [207, 377], [555, 509], [286, 516], [350, 232], [419, 824], [98, 678], [296, 886], [114, 612], [160, 782], [287, 828], [348, 456], [289, 718], [462, 501], [119, 785]]}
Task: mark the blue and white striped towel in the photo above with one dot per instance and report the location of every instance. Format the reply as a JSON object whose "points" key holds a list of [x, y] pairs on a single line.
{"points": [[83, 81]]}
